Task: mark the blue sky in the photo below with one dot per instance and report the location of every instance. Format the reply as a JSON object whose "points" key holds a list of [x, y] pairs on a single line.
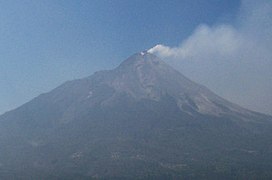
{"points": [[44, 43]]}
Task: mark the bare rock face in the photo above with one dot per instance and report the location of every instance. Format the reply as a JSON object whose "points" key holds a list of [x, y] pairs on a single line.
{"points": [[142, 119], [145, 76]]}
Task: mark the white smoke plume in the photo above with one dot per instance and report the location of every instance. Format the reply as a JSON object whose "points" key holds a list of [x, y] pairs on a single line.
{"points": [[233, 60]]}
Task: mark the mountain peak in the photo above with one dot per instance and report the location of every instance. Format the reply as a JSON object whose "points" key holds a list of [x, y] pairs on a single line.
{"points": [[145, 76], [144, 52], [139, 59]]}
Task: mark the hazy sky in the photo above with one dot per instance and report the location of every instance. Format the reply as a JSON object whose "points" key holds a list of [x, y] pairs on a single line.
{"points": [[44, 43]]}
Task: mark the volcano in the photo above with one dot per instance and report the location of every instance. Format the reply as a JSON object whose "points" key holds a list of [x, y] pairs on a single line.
{"points": [[141, 120]]}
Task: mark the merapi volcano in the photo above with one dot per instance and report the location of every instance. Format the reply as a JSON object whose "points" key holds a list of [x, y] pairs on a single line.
{"points": [[141, 120]]}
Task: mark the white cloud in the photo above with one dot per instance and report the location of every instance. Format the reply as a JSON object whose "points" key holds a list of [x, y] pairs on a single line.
{"points": [[205, 41], [234, 61]]}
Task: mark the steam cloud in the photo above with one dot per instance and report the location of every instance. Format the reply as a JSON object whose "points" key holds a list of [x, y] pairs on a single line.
{"points": [[234, 61]]}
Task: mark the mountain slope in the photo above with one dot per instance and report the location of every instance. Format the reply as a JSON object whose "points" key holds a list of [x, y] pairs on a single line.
{"points": [[142, 119]]}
